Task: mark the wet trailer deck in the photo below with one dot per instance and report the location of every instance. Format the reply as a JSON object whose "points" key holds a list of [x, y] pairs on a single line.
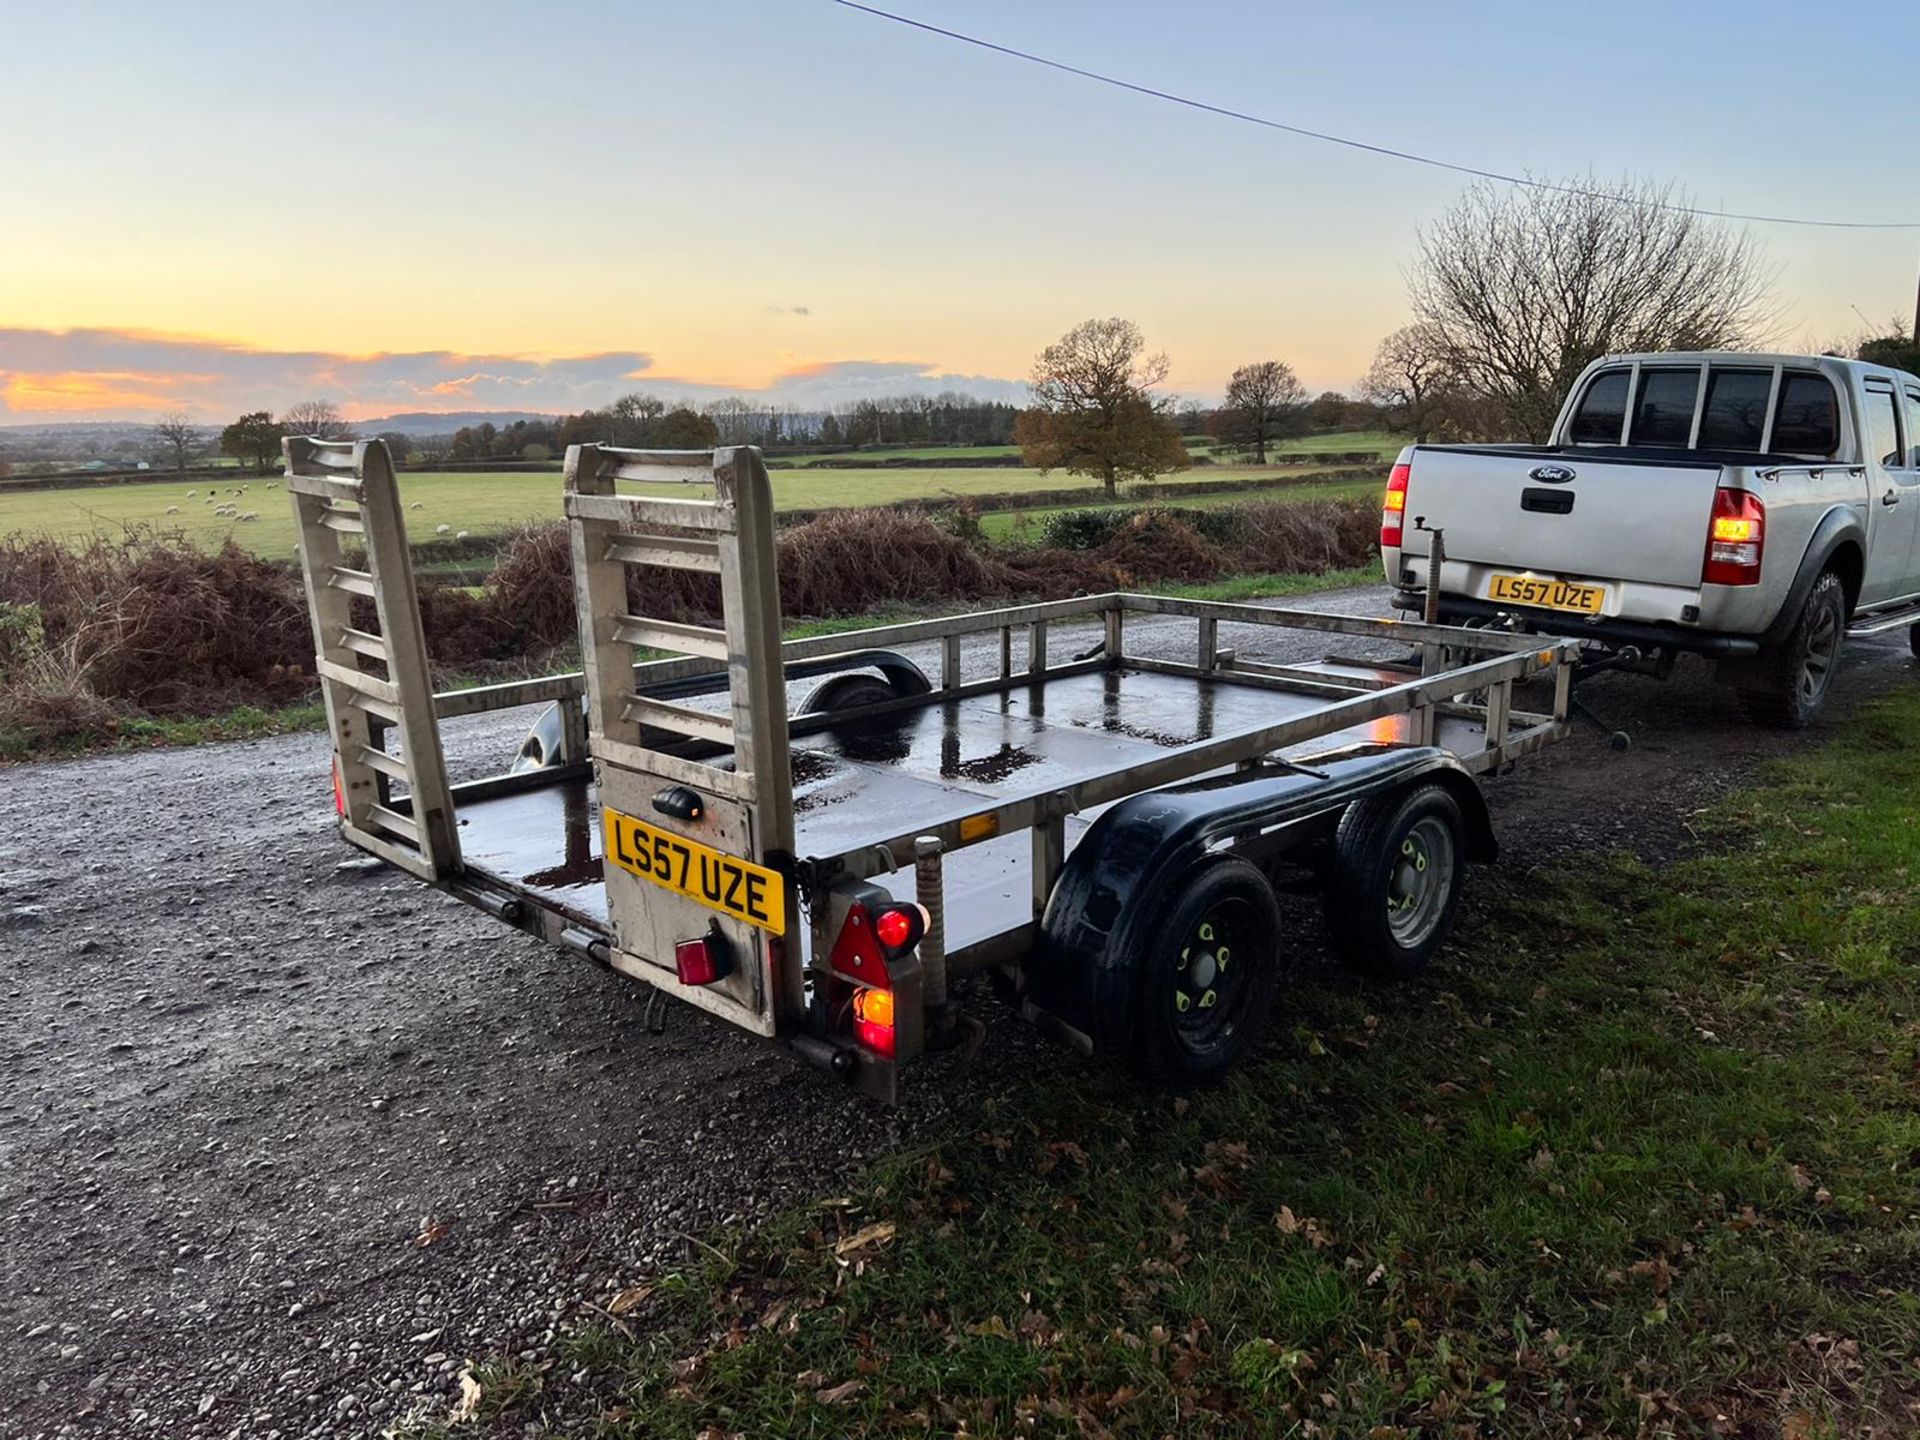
{"points": [[861, 784]]}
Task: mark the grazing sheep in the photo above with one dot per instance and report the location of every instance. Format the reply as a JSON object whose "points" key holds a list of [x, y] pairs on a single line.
{"points": [[417, 505], [250, 515], [192, 493], [173, 509], [462, 535], [443, 529]]}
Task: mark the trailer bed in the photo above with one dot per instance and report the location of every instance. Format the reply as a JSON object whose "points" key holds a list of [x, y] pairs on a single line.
{"points": [[855, 783]]}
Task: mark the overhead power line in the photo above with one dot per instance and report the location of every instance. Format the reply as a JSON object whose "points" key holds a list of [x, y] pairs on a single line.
{"points": [[1524, 181]]}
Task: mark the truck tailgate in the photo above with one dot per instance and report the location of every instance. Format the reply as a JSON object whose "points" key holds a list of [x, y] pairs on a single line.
{"points": [[1570, 514]]}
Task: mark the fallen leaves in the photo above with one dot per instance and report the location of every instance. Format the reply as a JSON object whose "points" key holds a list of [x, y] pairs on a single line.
{"points": [[468, 1406], [880, 1232], [432, 1232], [1309, 1229], [628, 1299]]}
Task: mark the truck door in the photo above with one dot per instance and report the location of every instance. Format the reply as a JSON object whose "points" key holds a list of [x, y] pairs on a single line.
{"points": [[1893, 480]]}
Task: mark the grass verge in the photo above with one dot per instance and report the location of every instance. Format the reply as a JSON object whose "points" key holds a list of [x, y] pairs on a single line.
{"points": [[243, 722], [1637, 1159]]}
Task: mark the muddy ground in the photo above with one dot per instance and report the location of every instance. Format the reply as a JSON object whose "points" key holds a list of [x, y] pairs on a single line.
{"points": [[283, 1144]]}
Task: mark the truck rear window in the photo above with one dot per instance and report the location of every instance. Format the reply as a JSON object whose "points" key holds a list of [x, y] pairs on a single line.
{"points": [[1735, 417], [1663, 414], [1603, 413], [1806, 421]]}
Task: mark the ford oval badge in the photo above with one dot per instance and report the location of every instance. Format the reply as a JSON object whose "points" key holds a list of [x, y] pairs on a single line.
{"points": [[1550, 474]]}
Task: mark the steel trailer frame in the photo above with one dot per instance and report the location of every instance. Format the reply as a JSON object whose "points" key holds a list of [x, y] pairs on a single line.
{"points": [[348, 488]]}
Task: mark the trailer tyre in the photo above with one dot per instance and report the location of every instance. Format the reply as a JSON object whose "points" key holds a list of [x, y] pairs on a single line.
{"points": [[849, 692], [1913, 640], [1205, 976], [1399, 858], [1795, 677]]}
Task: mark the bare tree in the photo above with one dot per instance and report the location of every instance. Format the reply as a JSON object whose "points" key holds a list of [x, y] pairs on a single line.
{"points": [[1411, 381], [1264, 401], [1522, 288], [317, 419], [1093, 411], [174, 433]]}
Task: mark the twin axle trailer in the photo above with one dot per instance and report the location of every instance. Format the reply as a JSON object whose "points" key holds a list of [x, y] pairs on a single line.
{"points": [[1103, 833]]}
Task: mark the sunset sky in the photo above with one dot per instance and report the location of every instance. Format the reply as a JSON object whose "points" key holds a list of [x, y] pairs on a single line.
{"points": [[421, 206]]}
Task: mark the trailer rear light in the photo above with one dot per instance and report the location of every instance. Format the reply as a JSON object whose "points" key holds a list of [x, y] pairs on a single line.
{"points": [[899, 929], [702, 961], [1736, 538], [868, 939], [1393, 509], [339, 792]]}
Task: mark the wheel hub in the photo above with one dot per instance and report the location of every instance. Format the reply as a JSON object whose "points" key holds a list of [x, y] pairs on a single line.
{"points": [[1202, 980]]}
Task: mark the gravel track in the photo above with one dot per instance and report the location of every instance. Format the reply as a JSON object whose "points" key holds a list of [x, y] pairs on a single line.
{"points": [[285, 1142]]}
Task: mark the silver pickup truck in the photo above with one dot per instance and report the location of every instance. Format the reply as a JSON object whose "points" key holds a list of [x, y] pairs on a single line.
{"points": [[1756, 509]]}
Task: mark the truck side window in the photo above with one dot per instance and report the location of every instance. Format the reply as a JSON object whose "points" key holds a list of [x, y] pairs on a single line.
{"points": [[1602, 412], [1883, 427], [1663, 414], [1736, 413], [1808, 419], [1913, 428]]}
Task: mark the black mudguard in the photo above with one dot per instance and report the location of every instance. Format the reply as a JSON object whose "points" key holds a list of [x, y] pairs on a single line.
{"points": [[1118, 876]]}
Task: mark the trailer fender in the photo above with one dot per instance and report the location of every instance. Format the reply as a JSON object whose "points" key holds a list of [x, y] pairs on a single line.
{"points": [[1120, 875]]}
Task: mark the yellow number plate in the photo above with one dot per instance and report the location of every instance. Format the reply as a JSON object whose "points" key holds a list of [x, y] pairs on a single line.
{"points": [[1548, 594], [718, 881]]}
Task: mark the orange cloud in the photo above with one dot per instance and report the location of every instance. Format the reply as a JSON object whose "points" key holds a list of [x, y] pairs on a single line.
{"points": [[89, 390]]}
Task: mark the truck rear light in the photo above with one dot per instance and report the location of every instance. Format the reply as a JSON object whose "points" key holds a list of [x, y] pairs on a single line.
{"points": [[702, 961], [339, 792], [1736, 538], [1393, 509]]}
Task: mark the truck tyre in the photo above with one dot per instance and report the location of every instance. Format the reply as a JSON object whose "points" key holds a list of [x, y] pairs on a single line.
{"points": [[1205, 972], [1794, 678], [1398, 861]]}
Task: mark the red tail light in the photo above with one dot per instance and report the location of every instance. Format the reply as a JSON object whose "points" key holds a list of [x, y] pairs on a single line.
{"points": [[1393, 509], [867, 940], [339, 793], [1736, 538], [702, 961]]}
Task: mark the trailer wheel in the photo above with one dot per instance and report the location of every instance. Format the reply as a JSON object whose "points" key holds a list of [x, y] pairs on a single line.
{"points": [[849, 692], [1205, 974], [1913, 640], [1398, 861]]}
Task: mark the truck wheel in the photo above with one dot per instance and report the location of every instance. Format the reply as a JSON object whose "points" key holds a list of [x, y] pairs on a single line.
{"points": [[1797, 675], [1206, 972], [1398, 861]]}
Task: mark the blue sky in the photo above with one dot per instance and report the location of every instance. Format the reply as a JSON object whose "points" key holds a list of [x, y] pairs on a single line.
{"points": [[515, 185]]}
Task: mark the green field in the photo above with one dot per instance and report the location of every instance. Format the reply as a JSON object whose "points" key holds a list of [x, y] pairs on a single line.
{"points": [[484, 502]]}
